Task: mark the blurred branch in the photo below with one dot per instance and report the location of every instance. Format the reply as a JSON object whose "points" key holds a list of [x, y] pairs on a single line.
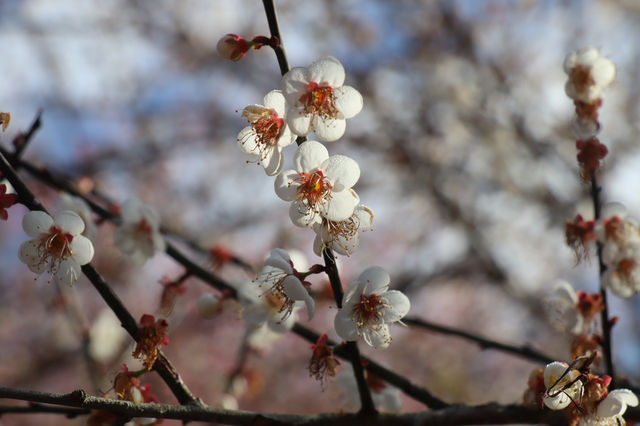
{"points": [[69, 412], [522, 351], [22, 139], [453, 415]]}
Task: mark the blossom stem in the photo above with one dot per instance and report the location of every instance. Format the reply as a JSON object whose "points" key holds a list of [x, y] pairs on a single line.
{"points": [[353, 354], [606, 324], [272, 20]]}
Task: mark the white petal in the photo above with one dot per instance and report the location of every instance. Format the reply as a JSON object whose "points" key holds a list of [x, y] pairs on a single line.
{"points": [[339, 207], [28, 254], [286, 138], [615, 404], [364, 216], [131, 210], [255, 314], [247, 141], [70, 222], [345, 327], [348, 101], [558, 402], [294, 84], [279, 325], [298, 121], [327, 70], [301, 215], [272, 162], [209, 305], [603, 72], [296, 291], [275, 101], [286, 185], [328, 129], [378, 338], [375, 279], [553, 371], [279, 262], [81, 250], [68, 272], [399, 306], [35, 223], [343, 172], [309, 156], [318, 245]]}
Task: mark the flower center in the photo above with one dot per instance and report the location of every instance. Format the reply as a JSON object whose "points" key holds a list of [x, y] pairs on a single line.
{"points": [[319, 100], [581, 78], [56, 244], [367, 310], [267, 128], [313, 187], [626, 267], [612, 228]]}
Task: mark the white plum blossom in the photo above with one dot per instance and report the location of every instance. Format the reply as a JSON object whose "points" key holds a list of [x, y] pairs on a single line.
{"points": [[139, 233], [56, 244], [611, 409], [562, 386], [268, 132], [264, 309], [342, 236], [319, 186], [589, 74], [561, 309], [106, 337], [318, 101], [283, 284], [80, 206], [385, 396], [368, 307]]}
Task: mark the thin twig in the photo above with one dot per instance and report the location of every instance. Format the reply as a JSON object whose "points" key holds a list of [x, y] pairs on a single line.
{"points": [[523, 351], [21, 141], [604, 316], [272, 20]]}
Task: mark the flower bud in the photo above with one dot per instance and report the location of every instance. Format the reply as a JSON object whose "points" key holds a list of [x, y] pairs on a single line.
{"points": [[233, 47], [209, 305]]}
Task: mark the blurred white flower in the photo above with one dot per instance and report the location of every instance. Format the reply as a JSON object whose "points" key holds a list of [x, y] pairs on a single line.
{"points": [[562, 386], [281, 281], [78, 205], [561, 309], [589, 74], [106, 337], [268, 132], [368, 307], [320, 186], [318, 101], [209, 305], [56, 244], [611, 409], [139, 235]]}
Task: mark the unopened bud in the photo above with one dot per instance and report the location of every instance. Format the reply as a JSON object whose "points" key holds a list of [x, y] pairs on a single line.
{"points": [[233, 47], [209, 305]]}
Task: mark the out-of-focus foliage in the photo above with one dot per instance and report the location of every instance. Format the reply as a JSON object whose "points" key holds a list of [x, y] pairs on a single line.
{"points": [[465, 148]]}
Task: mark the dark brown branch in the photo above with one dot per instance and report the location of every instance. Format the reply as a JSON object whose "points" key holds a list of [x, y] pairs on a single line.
{"points": [[523, 351], [353, 354], [453, 415], [604, 316], [162, 365], [21, 141], [272, 19], [69, 412]]}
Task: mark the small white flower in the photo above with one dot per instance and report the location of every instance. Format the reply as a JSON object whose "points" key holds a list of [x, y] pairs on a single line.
{"points": [[106, 337], [611, 409], [368, 307], [56, 244], [262, 309], [342, 236], [282, 284], [562, 386], [385, 396], [318, 101], [320, 186], [561, 309], [138, 235], [268, 132], [589, 74], [78, 205]]}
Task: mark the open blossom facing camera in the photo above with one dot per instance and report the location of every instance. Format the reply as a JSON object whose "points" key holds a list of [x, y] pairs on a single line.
{"points": [[318, 101], [571, 311], [368, 307], [320, 186], [56, 244], [562, 386], [342, 236], [268, 132], [285, 283], [589, 74], [139, 234]]}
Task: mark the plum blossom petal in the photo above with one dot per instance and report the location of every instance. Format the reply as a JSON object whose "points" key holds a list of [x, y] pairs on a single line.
{"points": [[562, 386], [329, 129], [139, 232], [615, 404], [309, 156], [328, 71], [348, 101], [81, 250], [36, 222], [344, 171], [339, 207], [286, 185], [399, 306], [70, 221]]}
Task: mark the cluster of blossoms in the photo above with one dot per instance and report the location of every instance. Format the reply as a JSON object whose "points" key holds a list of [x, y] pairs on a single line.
{"points": [[583, 395], [319, 186], [589, 74]]}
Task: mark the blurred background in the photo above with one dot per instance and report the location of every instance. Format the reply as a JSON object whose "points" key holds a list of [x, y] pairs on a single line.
{"points": [[467, 158]]}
